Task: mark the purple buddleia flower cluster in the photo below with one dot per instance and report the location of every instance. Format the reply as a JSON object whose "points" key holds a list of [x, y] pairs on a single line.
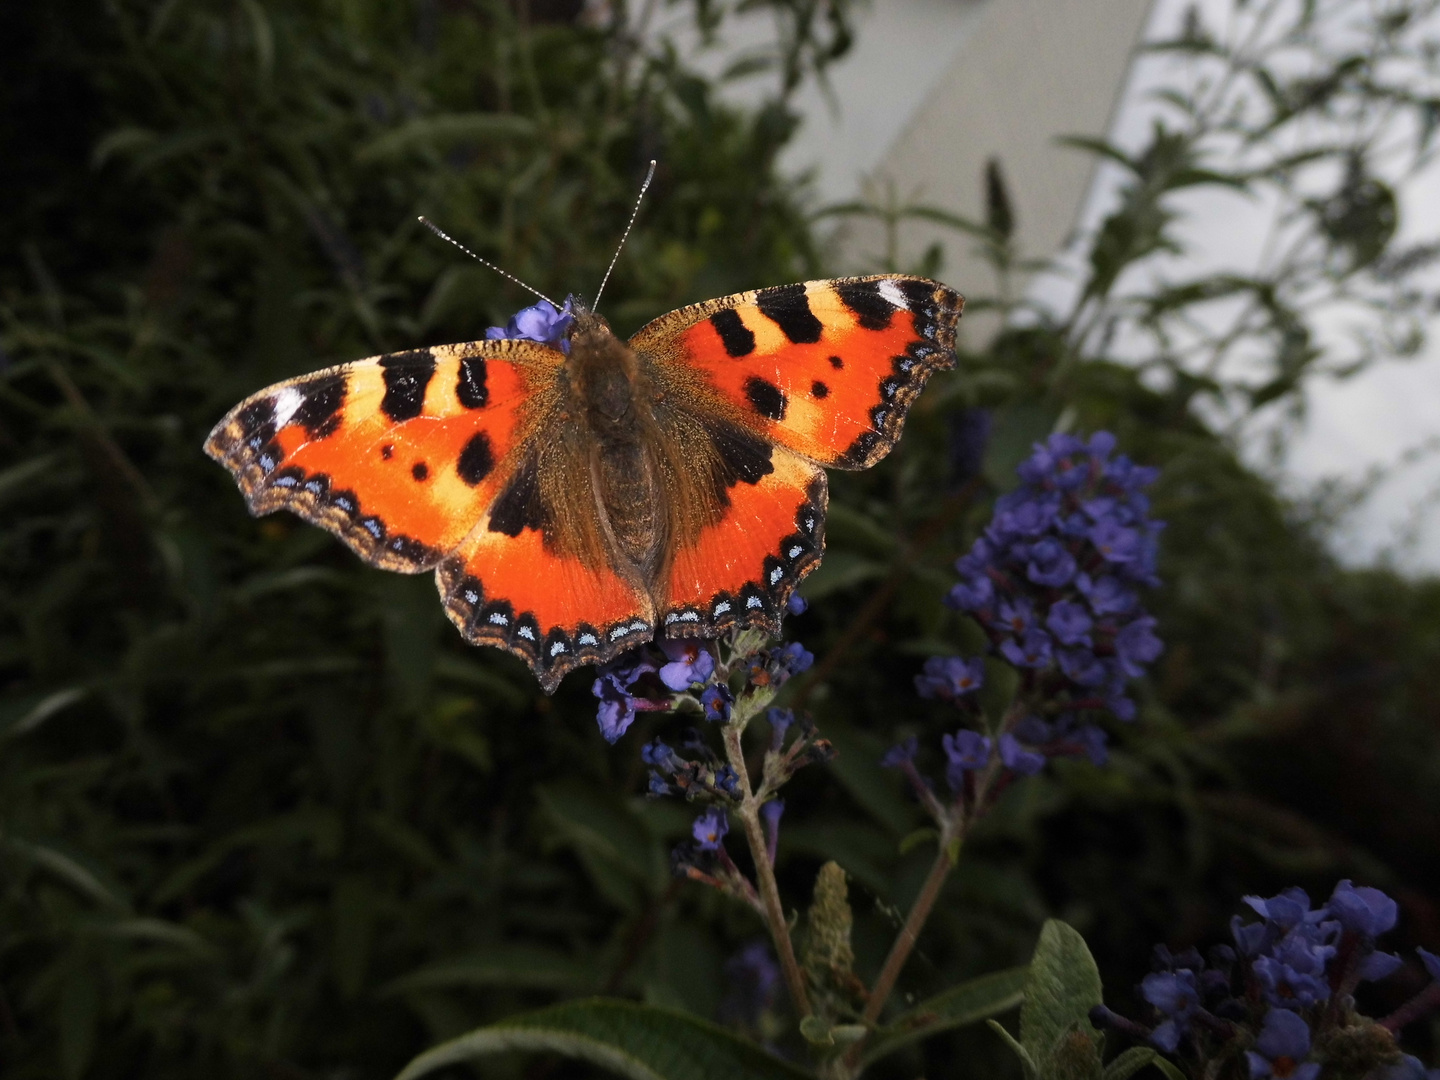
{"points": [[541, 322], [631, 684], [1284, 991], [1053, 583], [729, 682], [659, 676], [1053, 580]]}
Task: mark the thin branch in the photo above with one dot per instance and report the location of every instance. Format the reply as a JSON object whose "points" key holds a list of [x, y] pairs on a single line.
{"points": [[765, 874], [910, 932]]}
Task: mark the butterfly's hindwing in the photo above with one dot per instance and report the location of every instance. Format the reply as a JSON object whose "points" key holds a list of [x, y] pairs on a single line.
{"points": [[740, 569]]}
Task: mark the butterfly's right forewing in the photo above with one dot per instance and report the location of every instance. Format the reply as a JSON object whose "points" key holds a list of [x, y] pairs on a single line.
{"points": [[827, 369]]}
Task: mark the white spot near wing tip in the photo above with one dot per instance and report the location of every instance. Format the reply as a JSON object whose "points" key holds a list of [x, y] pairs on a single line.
{"points": [[891, 292], [285, 404]]}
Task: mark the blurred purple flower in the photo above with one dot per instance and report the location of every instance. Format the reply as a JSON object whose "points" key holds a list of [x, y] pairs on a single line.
{"points": [[539, 322], [965, 751], [1364, 910], [1019, 760], [949, 677], [1283, 1042], [900, 753]]}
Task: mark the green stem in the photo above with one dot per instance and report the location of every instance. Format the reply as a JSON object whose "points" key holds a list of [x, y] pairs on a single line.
{"points": [[765, 873], [910, 932]]}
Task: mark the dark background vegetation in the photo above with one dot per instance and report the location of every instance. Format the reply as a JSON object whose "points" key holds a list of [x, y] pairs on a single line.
{"points": [[263, 814]]}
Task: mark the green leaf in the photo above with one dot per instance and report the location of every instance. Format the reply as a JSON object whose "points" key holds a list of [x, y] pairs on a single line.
{"points": [[79, 1011], [972, 1000], [352, 916], [842, 570], [25, 714], [858, 768], [849, 528], [622, 858], [69, 870], [637, 1041], [444, 130], [1026, 1061], [502, 965], [1013, 434], [1063, 987], [22, 479]]}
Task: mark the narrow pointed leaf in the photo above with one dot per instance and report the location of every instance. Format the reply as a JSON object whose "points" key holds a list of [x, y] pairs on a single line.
{"points": [[504, 965], [1026, 1062], [631, 1040], [1136, 1058], [970, 1001]]}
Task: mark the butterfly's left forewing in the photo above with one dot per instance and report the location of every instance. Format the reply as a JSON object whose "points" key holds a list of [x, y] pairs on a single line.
{"points": [[422, 460], [396, 455]]}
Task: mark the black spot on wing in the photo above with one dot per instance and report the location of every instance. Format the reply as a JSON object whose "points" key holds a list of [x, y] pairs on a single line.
{"points": [[734, 334], [787, 307], [476, 460], [420, 471], [520, 506], [836, 363], [387, 451], [872, 310], [819, 390], [320, 405], [411, 550], [406, 376], [766, 398], [858, 454], [743, 457], [269, 456], [257, 423], [470, 387], [921, 295]]}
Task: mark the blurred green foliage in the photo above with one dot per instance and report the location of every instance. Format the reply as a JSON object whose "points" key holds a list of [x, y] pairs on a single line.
{"points": [[263, 814]]}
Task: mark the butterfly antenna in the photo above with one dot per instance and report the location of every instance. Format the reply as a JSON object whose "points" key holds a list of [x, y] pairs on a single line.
{"points": [[446, 236], [623, 236]]}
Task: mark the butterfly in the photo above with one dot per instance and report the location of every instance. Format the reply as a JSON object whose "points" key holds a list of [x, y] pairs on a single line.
{"points": [[577, 494]]}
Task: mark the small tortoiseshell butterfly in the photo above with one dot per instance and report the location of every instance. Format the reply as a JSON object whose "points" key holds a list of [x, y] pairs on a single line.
{"points": [[575, 496]]}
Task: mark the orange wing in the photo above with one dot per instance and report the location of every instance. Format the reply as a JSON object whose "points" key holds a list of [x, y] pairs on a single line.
{"points": [[825, 368], [740, 570], [417, 461]]}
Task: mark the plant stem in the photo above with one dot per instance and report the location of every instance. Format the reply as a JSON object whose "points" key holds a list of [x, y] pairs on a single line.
{"points": [[1427, 1001], [910, 932], [765, 874]]}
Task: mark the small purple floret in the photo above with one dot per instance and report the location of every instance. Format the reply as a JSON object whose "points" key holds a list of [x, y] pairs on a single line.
{"points": [[1284, 1041], [949, 677], [710, 828], [1364, 910]]}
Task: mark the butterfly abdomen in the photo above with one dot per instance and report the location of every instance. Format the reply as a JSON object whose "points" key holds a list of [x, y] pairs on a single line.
{"points": [[611, 403]]}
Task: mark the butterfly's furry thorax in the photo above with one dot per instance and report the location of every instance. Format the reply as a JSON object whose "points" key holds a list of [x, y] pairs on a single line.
{"points": [[609, 415]]}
